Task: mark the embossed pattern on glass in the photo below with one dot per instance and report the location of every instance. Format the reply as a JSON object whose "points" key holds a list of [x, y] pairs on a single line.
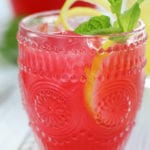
{"points": [[75, 97]]}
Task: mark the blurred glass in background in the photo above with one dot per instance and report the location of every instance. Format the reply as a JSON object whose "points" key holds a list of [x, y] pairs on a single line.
{"points": [[25, 7], [15, 10]]}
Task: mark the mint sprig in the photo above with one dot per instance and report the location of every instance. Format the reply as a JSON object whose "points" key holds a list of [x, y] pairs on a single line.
{"points": [[96, 25], [125, 21]]}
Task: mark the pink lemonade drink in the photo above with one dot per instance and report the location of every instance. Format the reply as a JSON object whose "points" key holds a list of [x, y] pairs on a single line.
{"points": [[79, 92]]}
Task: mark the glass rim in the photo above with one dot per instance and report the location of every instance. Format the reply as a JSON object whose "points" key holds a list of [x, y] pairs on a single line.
{"points": [[24, 21]]}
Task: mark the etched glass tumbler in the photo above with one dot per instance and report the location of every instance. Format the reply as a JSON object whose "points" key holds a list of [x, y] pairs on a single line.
{"points": [[80, 93]]}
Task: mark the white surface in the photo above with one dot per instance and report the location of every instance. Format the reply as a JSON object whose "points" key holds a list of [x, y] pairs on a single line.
{"points": [[13, 121]]}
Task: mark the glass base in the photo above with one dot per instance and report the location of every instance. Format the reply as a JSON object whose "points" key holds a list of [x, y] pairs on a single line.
{"points": [[139, 139]]}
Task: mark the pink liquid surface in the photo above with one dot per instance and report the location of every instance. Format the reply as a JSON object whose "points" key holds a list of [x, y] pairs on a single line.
{"points": [[55, 85]]}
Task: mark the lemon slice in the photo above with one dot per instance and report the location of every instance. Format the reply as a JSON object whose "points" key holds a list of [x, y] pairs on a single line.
{"points": [[91, 74], [81, 10], [107, 44], [77, 11]]}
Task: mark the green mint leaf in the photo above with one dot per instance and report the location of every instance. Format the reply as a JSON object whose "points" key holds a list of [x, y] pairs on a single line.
{"points": [[95, 25], [116, 6], [130, 18]]}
